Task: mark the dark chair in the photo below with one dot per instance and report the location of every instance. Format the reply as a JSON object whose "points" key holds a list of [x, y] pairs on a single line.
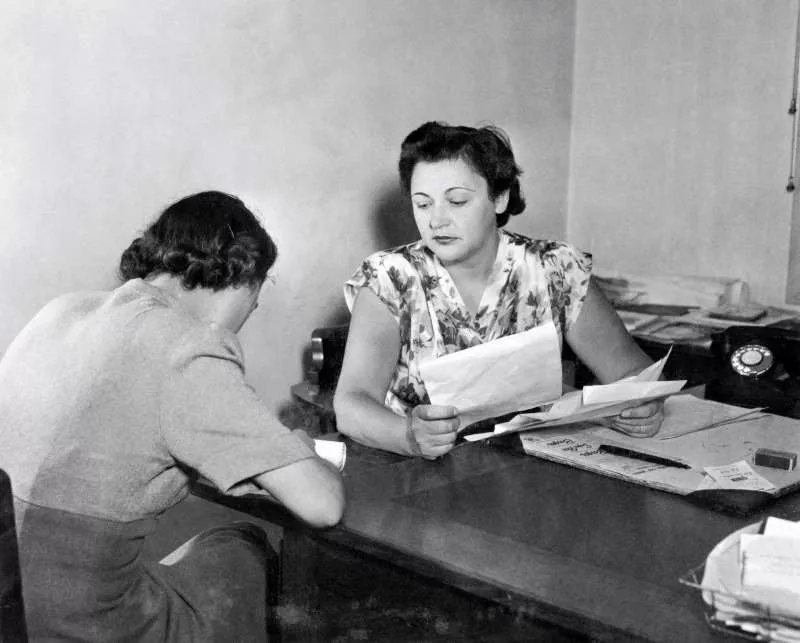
{"points": [[12, 610], [314, 395]]}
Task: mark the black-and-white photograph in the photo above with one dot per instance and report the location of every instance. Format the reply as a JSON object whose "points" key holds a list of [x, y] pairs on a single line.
{"points": [[399, 321]]}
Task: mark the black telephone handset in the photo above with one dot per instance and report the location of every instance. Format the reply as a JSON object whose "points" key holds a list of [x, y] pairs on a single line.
{"points": [[757, 366]]}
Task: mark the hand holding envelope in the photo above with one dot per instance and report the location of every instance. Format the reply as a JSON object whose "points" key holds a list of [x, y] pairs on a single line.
{"points": [[595, 403]]}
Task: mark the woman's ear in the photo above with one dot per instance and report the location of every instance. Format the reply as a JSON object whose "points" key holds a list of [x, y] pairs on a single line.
{"points": [[501, 202]]}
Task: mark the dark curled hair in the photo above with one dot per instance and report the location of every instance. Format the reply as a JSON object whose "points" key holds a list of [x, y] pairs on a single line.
{"points": [[209, 240], [486, 149]]}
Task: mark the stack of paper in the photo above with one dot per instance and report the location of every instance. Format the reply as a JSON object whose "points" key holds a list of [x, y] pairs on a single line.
{"points": [[673, 289], [752, 581], [594, 403]]}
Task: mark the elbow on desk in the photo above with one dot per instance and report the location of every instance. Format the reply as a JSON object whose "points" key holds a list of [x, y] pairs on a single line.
{"points": [[324, 518], [311, 489], [351, 410], [343, 410], [322, 510]]}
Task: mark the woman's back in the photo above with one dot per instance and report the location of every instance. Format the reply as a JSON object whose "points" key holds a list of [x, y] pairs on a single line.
{"points": [[81, 405], [109, 402]]}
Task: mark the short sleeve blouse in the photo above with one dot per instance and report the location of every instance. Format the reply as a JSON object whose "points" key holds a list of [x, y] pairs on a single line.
{"points": [[538, 281]]}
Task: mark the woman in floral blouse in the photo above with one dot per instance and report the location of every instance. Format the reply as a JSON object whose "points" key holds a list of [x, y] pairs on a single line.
{"points": [[465, 282]]}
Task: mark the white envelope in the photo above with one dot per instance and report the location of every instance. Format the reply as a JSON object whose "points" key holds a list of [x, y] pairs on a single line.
{"points": [[506, 375]]}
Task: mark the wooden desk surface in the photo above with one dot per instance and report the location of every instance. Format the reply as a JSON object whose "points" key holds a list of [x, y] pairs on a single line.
{"points": [[594, 554]]}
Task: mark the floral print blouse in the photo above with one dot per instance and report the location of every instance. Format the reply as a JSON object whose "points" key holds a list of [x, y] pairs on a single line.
{"points": [[534, 282]]}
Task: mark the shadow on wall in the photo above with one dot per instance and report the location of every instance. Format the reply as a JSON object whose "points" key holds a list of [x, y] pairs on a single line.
{"points": [[392, 219], [392, 223]]}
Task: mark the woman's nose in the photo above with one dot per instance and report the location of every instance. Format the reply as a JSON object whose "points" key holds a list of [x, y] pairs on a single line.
{"points": [[439, 217]]}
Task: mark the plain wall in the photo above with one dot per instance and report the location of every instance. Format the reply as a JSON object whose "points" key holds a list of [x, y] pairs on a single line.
{"points": [[112, 110], [681, 139]]}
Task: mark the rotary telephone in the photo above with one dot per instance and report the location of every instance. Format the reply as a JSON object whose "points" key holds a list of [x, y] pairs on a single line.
{"points": [[756, 366]]}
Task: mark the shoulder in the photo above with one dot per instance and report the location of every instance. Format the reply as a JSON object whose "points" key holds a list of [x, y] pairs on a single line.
{"points": [[169, 332], [394, 275], [393, 269], [62, 312], [400, 257], [197, 340], [551, 253], [73, 303]]}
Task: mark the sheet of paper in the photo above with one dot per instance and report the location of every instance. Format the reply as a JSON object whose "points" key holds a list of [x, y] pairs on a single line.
{"points": [[627, 391], [685, 414], [773, 528], [333, 452], [651, 373], [509, 374], [738, 475], [771, 566], [782, 528], [573, 407]]}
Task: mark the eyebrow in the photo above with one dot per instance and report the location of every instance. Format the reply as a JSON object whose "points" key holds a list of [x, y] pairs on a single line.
{"points": [[455, 187]]}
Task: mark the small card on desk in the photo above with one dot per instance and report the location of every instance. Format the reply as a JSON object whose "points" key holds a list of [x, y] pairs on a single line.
{"points": [[332, 451]]}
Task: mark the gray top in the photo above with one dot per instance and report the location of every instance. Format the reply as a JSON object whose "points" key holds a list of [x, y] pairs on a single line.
{"points": [[107, 397]]}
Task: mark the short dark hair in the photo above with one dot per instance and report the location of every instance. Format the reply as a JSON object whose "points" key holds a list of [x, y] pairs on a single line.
{"points": [[209, 240], [486, 149]]}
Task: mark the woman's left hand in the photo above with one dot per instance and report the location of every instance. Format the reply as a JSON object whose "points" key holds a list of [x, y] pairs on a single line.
{"points": [[642, 421]]}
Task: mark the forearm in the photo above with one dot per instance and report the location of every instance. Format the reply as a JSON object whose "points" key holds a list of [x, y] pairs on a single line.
{"points": [[365, 420], [600, 340], [633, 361], [312, 489], [331, 485]]}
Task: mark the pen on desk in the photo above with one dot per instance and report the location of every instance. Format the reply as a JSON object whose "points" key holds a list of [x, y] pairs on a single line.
{"points": [[638, 455]]}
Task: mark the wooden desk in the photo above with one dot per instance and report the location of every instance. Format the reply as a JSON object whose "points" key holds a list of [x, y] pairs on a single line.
{"points": [[595, 555]]}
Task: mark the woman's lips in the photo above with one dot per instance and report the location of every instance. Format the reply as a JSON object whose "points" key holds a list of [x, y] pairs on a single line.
{"points": [[445, 240]]}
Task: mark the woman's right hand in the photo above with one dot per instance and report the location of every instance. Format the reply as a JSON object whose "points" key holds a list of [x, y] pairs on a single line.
{"points": [[432, 429]]}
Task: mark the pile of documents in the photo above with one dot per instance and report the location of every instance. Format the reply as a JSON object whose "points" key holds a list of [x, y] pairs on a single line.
{"points": [[522, 372], [593, 403], [673, 289], [752, 581]]}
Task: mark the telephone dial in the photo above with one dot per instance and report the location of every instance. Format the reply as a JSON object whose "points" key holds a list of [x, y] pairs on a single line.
{"points": [[756, 366]]}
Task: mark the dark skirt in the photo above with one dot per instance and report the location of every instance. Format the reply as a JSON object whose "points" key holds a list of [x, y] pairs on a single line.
{"points": [[84, 580]]}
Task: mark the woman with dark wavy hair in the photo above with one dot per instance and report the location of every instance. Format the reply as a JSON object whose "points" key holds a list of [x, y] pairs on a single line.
{"points": [[111, 401], [467, 281]]}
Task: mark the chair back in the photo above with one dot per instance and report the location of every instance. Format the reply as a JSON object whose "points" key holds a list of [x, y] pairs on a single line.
{"points": [[12, 610], [327, 354]]}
